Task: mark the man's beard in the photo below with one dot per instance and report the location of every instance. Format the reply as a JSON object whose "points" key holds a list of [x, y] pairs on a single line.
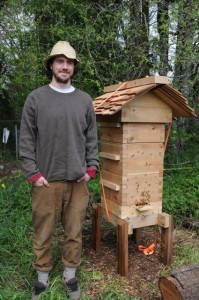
{"points": [[62, 80]]}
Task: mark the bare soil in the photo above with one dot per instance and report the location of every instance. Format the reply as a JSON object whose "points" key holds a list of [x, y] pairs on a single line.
{"points": [[144, 271]]}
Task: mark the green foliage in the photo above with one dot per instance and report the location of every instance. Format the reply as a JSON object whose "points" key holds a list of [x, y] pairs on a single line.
{"points": [[182, 148], [181, 193], [95, 188], [181, 174], [116, 41]]}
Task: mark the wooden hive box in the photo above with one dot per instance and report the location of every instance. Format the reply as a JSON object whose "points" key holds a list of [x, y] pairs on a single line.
{"points": [[132, 118]]}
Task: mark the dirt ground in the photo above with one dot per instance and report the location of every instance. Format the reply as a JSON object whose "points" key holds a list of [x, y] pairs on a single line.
{"points": [[144, 271]]}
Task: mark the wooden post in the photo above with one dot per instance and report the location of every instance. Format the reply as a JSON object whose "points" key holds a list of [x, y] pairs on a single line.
{"points": [[122, 247], [167, 242], [135, 237], [96, 230]]}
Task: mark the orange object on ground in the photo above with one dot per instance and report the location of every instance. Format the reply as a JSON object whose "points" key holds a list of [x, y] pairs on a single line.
{"points": [[149, 250]]}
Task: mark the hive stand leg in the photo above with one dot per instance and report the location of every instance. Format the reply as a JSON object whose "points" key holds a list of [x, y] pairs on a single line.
{"points": [[96, 229], [135, 237], [167, 243], [122, 247]]}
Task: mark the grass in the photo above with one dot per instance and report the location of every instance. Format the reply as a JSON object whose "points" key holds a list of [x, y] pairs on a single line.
{"points": [[17, 276]]}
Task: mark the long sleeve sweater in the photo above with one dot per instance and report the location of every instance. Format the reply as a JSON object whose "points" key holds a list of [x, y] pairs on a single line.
{"points": [[58, 136]]}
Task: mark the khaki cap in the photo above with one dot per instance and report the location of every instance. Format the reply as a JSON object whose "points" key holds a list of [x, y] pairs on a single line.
{"points": [[62, 48]]}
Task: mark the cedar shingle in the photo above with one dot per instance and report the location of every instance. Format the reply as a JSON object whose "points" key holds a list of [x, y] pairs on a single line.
{"points": [[111, 102]]}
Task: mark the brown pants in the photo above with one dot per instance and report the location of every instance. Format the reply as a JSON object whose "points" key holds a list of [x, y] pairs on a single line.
{"points": [[68, 200]]}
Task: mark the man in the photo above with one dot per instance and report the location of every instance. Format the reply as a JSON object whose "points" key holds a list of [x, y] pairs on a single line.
{"points": [[59, 153]]}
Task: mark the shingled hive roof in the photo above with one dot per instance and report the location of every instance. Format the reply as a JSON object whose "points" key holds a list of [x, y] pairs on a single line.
{"points": [[117, 96]]}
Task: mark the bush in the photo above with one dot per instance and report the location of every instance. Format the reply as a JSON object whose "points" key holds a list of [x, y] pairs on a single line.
{"points": [[181, 193]]}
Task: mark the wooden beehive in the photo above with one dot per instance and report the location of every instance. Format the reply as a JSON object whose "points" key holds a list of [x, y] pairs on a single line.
{"points": [[133, 117]]}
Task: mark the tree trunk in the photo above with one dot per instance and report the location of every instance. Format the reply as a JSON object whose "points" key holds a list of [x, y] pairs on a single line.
{"points": [[181, 284], [186, 32], [137, 42], [163, 30]]}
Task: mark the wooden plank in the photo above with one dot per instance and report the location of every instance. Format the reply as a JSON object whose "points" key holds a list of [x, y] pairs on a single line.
{"points": [[135, 237], [147, 108], [167, 243], [143, 189], [113, 118], [175, 95], [144, 133], [128, 211], [138, 82], [164, 220], [149, 99], [109, 107], [122, 248], [177, 108], [115, 196], [140, 221], [120, 98], [146, 114], [114, 135], [113, 218], [96, 230], [111, 185], [145, 207], [133, 222], [108, 176], [137, 188], [136, 90], [143, 158], [115, 148], [134, 133], [109, 155], [113, 166], [109, 124], [177, 103], [140, 154], [133, 92], [178, 97], [135, 158]]}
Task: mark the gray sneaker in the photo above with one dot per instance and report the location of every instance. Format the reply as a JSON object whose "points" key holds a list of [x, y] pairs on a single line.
{"points": [[39, 288], [72, 288]]}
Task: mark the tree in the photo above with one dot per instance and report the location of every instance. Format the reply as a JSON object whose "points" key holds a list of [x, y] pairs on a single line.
{"points": [[116, 40], [186, 73], [163, 30]]}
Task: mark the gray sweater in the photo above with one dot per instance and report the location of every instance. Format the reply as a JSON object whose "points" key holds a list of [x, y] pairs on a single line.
{"points": [[58, 136]]}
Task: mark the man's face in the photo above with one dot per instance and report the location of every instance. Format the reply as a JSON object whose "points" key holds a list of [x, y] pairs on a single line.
{"points": [[62, 69]]}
